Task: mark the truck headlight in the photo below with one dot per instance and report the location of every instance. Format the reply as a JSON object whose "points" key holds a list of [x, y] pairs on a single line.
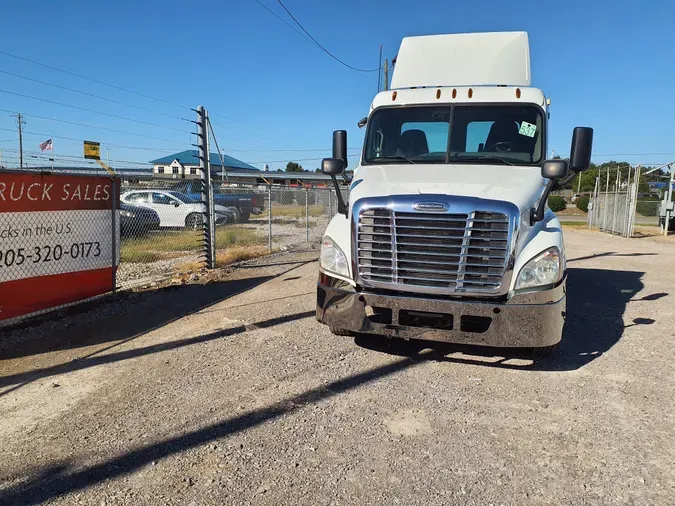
{"points": [[332, 259], [544, 269]]}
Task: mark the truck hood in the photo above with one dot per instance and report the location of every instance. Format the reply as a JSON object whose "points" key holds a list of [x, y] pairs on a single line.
{"points": [[520, 185]]}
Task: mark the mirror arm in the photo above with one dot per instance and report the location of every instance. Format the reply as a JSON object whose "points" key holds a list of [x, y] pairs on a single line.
{"points": [[537, 214], [562, 182], [341, 206]]}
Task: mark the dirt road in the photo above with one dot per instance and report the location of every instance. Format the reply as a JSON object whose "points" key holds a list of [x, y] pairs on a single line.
{"points": [[231, 393]]}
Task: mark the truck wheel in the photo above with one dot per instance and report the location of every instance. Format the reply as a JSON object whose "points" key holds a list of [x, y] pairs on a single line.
{"points": [[340, 332], [245, 217], [545, 351], [193, 221]]}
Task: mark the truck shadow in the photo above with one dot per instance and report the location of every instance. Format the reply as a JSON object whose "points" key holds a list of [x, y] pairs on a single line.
{"points": [[596, 302]]}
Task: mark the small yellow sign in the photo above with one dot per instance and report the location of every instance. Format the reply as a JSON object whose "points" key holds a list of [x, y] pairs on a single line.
{"points": [[92, 150]]}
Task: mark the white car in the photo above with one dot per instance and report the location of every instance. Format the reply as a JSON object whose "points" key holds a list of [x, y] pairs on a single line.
{"points": [[176, 209]]}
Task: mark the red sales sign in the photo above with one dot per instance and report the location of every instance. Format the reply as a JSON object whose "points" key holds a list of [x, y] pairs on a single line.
{"points": [[56, 240]]}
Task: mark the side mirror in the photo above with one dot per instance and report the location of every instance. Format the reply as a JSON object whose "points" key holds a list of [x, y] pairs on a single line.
{"points": [[340, 146], [332, 166], [362, 122], [582, 146], [554, 169]]}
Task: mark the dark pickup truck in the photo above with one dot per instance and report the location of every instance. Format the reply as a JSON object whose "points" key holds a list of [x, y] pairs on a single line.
{"points": [[247, 202]]}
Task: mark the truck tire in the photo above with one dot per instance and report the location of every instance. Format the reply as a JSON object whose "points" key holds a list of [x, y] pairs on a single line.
{"points": [[545, 351], [194, 221], [237, 215], [340, 332]]}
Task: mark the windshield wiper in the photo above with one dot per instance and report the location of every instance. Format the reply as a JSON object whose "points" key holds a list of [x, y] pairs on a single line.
{"points": [[481, 158], [395, 157]]}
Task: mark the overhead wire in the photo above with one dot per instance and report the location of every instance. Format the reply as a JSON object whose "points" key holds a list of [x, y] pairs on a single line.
{"points": [[65, 158], [90, 110], [299, 159], [320, 45], [48, 136], [80, 76], [126, 90], [112, 100], [30, 115]]}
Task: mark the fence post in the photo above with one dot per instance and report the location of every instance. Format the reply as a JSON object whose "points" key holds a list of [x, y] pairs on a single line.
{"points": [[269, 217], [626, 211], [306, 214], [211, 209], [204, 166], [669, 200], [330, 202], [113, 219]]}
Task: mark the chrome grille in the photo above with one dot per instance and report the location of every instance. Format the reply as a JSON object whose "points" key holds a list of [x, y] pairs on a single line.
{"points": [[449, 252]]}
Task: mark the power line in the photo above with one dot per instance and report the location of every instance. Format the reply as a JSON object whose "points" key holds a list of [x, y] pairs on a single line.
{"points": [[80, 76], [283, 20], [632, 154], [141, 148], [65, 158], [90, 110], [90, 95], [309, 36], [300, 159], [93, 126], [92, 80]]}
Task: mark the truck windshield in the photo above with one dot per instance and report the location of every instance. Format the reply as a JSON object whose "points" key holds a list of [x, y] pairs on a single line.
{"points": [[486, 134]]}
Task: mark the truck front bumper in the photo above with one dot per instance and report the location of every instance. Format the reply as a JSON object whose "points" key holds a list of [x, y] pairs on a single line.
{"points": [[532, 319]]}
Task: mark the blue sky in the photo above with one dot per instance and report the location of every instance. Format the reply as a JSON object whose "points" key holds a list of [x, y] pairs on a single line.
{"points": [[269, 91]]}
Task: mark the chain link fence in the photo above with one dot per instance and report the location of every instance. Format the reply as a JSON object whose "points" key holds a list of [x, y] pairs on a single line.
{"points": [[161, 227], [161, 234]]}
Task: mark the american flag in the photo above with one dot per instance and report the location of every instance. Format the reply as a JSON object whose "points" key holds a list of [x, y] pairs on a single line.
{"points": [[47, 145]]}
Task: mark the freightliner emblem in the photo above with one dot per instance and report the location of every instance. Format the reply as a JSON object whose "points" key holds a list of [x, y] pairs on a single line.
{"points": [[430, 206]]}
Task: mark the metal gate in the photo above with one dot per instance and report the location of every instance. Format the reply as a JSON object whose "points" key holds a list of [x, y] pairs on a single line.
{"points": [[613, 210]]}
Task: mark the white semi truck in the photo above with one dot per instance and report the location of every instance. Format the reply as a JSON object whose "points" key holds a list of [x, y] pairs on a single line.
{"points": [[447, 235]]}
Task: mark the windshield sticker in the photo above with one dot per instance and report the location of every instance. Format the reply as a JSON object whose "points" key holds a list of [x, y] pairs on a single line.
{"points": [[527, 129]]}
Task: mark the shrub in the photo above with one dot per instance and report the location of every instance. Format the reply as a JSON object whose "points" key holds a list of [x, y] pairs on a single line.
{"points": [[582, 203], [647, 206], [556, 203]]}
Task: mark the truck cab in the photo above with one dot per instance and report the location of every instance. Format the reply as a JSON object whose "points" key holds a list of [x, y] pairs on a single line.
{"points": [[446, 235]]}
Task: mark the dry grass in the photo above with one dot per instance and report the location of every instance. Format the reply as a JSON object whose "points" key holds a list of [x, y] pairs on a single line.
{"points": [[239, 254], [297, 211], [574, 224], [167, 245]]}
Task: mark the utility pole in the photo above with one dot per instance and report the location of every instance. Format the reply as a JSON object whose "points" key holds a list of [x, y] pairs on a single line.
{"points": [[379, 73], [386, 75], [20, 122]]}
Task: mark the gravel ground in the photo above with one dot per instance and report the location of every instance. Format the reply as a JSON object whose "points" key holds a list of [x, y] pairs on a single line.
{"points": [[287, 233], [229, 392]]}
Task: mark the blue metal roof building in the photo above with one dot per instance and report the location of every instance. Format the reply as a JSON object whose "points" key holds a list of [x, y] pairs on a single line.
{"points": [[190, 157], [185, 165]]}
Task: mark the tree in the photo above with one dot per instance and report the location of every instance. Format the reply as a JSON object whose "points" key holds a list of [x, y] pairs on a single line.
{"points": [[294, 167]]}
